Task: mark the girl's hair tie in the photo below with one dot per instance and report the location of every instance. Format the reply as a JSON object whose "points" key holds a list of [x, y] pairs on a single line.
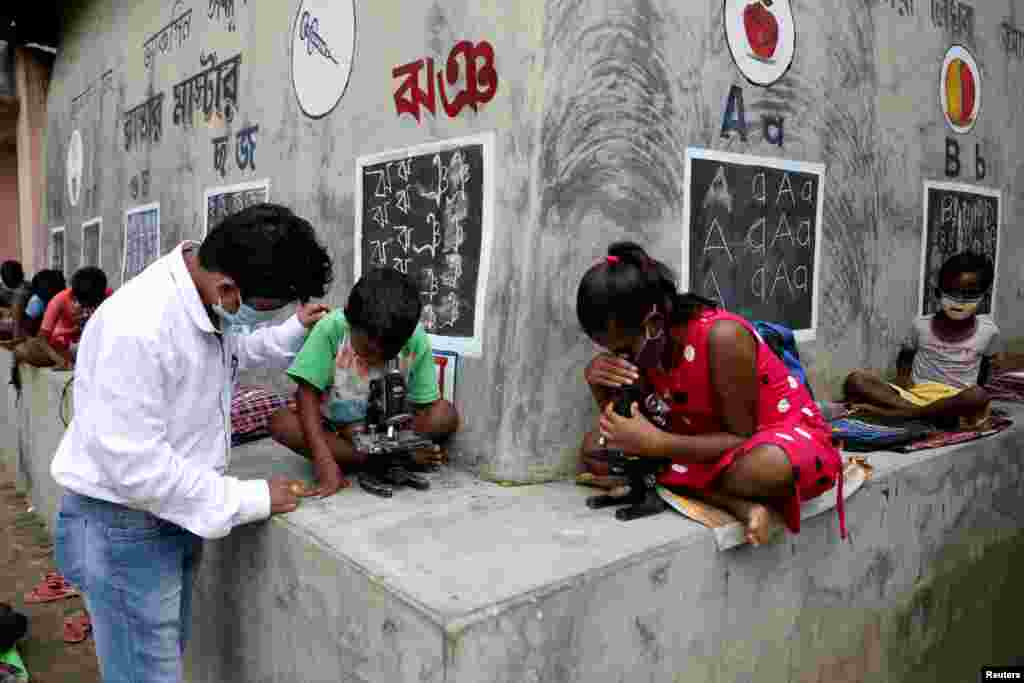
{"points": [[611, 259]]}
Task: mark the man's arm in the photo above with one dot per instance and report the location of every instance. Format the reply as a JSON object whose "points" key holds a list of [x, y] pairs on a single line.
{"points": [[128, 408], [273, 347]]}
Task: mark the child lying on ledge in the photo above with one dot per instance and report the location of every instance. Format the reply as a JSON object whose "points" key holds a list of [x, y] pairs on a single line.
{"points": [[946, 359]]}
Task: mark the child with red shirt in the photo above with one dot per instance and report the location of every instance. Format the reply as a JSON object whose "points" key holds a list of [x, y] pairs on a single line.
{"points": [[742, 433], [65, 317]]}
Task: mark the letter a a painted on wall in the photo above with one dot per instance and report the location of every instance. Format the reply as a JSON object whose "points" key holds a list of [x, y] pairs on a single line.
{"points": [[323, 46], [735, 118], [762, 38]]}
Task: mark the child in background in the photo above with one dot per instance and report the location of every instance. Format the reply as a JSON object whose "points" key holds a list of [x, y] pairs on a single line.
{"points": [[65, 317], [742, 433], [939, 369], [14, 296], [333, 371], [45, 285]]}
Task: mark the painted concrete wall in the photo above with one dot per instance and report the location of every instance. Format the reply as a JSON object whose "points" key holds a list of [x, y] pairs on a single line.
{"points": [[8, 202], [596, 104], [32, 76]]}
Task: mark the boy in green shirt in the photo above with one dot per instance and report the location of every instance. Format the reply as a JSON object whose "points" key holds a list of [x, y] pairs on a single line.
{"points": [[333, 371]]}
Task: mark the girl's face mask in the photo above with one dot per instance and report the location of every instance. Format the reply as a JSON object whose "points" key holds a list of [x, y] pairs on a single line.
{"points": [[652, 350], [956, 308]]}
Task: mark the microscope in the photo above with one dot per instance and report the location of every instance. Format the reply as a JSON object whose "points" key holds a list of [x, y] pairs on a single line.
{"points": [[387, 442], [639, 495]]}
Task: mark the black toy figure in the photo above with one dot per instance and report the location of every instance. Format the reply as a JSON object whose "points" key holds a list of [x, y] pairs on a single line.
{"points": [[387, 446], [639, 494]]}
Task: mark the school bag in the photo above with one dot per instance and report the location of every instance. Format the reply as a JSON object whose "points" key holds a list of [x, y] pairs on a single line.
{"points": [[781, 340]]}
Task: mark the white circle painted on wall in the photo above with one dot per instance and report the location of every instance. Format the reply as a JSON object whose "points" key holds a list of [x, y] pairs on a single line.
{"points": [[323, 46], [74, 167], [762, 38], [960, 89]]}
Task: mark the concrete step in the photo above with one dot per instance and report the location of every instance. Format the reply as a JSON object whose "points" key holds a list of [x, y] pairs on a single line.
{"points": [[472, 581]]}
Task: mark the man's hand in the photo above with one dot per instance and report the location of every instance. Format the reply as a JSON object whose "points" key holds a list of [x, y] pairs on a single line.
{"points": [[328, 475], [611, 371], [633, 435], [310, 314], [283, 497]]}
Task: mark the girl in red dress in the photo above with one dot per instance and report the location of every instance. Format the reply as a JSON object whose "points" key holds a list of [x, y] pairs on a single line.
{"points": [[742, 433]]}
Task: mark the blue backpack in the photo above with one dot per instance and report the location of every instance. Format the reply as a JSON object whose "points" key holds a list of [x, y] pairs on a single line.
{"points": [[781, 340]]}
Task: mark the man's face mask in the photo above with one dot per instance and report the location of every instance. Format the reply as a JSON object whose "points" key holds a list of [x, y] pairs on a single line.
{"points": [[246, 318]]}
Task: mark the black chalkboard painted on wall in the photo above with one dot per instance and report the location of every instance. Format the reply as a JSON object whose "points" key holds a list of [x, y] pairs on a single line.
{"points": [[751, 236], [426, 212], [957, 218]]}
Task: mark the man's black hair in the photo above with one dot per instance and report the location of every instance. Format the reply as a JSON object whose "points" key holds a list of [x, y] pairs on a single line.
{"points": [[48, 283], [968, 262], [12, 273], [88, 285], [269, 252], [625, 285], [385, 304]]}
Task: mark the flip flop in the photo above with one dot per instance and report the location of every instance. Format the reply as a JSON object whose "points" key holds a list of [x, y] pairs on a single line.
{"points": [[77, 628], [53, 587]]}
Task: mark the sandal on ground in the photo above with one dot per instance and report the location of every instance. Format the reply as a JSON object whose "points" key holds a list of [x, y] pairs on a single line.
{"points": [[53, 587], [77, 628]]}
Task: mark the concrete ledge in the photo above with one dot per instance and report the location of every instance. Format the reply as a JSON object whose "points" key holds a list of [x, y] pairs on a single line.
{"points": [[472, 581]]}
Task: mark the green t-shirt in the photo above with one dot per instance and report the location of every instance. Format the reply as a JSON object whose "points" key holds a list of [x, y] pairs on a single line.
{"points": [[328, 362]]}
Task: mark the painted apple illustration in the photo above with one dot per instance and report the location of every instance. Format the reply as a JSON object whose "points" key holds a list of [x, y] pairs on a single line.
{"points": [[762, 29]]}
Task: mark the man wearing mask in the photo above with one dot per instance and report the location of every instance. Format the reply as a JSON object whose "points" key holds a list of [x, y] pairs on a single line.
{"points": [[143, 461]]}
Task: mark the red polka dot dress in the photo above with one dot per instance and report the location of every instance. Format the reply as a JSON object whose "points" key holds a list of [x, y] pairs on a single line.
{"points": [[787, 417]]}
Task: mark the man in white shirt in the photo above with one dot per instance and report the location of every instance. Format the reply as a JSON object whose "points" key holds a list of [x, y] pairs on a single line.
{"points": [[144, 458]]}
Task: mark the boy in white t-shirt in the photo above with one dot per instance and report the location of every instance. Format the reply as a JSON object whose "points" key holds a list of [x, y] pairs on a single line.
{"points": [[945, 359]]}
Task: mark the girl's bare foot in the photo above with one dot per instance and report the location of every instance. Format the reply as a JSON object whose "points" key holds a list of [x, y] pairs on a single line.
{"points": [[762, 522]]}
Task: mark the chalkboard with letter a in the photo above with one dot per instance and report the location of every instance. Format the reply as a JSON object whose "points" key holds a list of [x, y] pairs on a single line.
{"points": [[752, 236], [427, 212], [957, 218]]}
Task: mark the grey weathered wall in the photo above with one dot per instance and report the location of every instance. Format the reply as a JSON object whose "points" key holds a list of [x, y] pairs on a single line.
{"points": [[597, 101]]}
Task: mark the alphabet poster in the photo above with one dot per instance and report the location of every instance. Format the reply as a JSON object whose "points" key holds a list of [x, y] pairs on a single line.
{"points": [[752, 236]]}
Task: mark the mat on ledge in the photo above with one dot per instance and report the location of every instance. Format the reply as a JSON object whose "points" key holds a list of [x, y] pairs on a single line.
{"points": [[729, 531], [997, 423], [1007, 386]]}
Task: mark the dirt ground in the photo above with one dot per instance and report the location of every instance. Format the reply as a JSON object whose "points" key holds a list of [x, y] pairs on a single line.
{"points": [[26, 554]]}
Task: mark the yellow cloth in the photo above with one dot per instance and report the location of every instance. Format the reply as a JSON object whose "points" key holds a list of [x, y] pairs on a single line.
{"points": [[926, 393]]}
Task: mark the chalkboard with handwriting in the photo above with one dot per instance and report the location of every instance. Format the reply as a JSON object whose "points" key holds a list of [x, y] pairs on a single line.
{"points": [[751, 236], [423, 212], [956, 218]]}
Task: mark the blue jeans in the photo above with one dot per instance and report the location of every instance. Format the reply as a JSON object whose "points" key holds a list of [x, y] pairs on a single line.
{"points": [[136, 573]]}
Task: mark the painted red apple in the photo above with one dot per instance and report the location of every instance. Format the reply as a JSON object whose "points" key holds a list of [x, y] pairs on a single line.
{"points": [[762, 29]]}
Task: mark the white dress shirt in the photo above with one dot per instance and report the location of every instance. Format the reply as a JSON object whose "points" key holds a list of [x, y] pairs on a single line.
{"points": [[152, 404]]}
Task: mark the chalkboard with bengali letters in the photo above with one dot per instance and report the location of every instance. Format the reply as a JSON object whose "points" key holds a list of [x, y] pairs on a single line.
{"points": [[422, 212], [751, 236], [956, 218]]}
